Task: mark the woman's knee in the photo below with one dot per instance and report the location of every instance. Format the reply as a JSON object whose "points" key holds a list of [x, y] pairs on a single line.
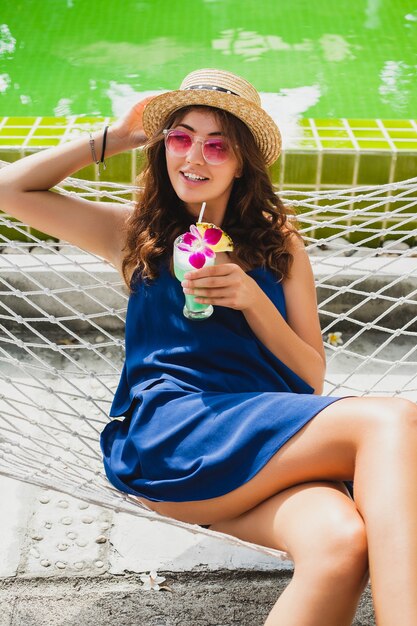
{"points": [[399, 409], [337, 545], [345, 547], [407, 412], [397, 415]]}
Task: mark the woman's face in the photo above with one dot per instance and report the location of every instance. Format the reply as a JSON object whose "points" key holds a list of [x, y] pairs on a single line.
{"points": [[217, 183]]}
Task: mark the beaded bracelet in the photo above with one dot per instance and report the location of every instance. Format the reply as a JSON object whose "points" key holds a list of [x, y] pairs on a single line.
{"points": [[93, 150]]}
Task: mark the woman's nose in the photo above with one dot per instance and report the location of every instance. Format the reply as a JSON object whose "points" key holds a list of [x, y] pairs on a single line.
{"points": [[195, 154]]}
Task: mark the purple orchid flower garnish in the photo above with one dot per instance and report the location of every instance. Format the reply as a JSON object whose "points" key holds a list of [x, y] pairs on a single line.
{"points": [[200, 246]]}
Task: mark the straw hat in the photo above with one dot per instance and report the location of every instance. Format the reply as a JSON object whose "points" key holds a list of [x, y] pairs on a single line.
{"points": [[224, 90]]}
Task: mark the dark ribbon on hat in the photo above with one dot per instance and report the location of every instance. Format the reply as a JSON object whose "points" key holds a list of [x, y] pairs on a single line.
{"points": [[212, 88]]}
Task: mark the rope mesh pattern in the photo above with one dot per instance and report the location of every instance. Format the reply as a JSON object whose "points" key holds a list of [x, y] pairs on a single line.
{"points": [[62, 314]]}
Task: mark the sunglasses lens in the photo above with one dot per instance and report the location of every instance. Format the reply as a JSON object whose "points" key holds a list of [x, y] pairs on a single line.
{"points": [[178, 142], [215, 151]]}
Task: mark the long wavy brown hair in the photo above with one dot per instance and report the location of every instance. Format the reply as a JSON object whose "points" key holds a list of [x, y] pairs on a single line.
{"points": [[256, 218]]}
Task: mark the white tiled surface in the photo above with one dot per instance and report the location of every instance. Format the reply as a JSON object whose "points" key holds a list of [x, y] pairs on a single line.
{"points": [[46, 533]]}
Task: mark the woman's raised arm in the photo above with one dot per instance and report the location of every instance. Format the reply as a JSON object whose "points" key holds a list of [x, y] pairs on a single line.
{"points": [[93, 226]]}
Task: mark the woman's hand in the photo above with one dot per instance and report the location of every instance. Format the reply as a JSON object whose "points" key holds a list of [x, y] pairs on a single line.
{"points": [[225, 284], [129, 129]]}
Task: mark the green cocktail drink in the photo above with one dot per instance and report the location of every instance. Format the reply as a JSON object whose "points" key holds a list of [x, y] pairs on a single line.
{"points": [[192, 310]]}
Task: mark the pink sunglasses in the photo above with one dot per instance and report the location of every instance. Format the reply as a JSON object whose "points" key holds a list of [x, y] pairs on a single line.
{"points": [[215, 150]]}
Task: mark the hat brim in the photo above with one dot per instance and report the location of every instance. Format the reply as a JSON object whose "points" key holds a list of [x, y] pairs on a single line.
{"points": [[266, 132]]}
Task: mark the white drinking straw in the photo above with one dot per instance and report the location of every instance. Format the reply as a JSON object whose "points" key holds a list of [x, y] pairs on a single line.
{"points": [[200, 217]]}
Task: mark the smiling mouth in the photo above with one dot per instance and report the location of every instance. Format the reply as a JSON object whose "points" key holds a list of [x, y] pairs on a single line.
{"points": [[192, 178]]}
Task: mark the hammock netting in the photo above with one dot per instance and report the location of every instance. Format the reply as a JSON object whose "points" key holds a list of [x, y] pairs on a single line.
{"points": [[62, 314]]}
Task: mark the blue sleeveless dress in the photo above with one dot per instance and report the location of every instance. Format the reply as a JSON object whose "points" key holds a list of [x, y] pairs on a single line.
{"points": [[204, 404]]}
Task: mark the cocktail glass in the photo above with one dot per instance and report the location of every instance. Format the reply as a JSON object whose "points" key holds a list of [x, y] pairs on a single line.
{"points": [[192, 310]]}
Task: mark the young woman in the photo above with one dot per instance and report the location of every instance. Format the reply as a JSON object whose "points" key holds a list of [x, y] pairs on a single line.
{"points": [[223, 421]]}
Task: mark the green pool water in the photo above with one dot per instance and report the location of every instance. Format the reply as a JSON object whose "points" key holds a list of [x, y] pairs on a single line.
{"points": [[325, 59]]}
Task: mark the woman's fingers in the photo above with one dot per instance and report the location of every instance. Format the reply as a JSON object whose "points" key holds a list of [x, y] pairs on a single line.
{"points": [[224, 285], [206, 293], [214, 276], [223, 269], [197, 283], [211, 295], [139, 106], [129, 127]]}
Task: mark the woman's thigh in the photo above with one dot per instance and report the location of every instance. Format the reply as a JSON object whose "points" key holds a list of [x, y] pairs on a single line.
{"points": [[323, 449], [315, 523]]}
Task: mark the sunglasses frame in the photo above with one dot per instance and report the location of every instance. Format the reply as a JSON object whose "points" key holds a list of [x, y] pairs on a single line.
{"points": [[195, 139]]}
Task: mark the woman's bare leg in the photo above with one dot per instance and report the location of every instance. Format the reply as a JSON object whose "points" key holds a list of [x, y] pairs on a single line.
{"points": [[374, 442], [309, 600], [386, 495], [318, 525], [385, 476]]}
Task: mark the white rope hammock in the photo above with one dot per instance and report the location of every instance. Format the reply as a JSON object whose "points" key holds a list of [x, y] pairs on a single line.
{"points": [[62, 315]]}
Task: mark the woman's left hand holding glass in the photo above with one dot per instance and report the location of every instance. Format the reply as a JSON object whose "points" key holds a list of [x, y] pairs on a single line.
{"points": [[225, 284]]}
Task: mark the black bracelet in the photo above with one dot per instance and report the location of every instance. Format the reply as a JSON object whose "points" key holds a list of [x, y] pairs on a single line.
{"points": [[104, 147]]}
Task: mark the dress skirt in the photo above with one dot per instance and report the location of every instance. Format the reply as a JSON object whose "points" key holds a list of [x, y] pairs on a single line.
{"points": [[176, 445]]}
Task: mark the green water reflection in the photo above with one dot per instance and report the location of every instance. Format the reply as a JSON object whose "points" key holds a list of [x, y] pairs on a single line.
{"points": [[61, 58]]}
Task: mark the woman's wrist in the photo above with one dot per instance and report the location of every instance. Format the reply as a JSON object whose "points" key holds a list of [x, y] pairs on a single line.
{"points": [[114, 143]]}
